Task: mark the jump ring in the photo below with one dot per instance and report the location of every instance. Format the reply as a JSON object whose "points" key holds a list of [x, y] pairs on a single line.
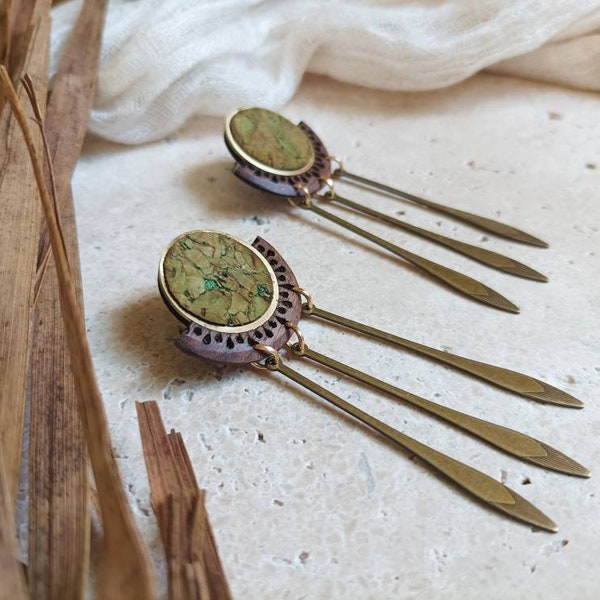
{"points": [[273, 360], [330, 194], [310, 305], [300, 347], [307, 203], [340, 165]]}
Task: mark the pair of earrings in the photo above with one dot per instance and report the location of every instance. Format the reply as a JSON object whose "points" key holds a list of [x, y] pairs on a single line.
{"points": [[242, 303], [290, 160]]}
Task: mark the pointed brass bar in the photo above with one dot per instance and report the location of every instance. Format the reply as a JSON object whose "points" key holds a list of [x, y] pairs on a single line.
{"points": [[484, 223], [513, 442], [464, 284], [482, 255], [505, 378], [475, 482]]}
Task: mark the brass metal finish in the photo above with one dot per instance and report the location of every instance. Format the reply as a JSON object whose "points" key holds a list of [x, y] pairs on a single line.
{"points": [[482, 255], [505, 378], [484, 223], [308, 307], [300, 346], [206, 340], [250, 159], [340, 165], [262, 168], [188, 316], [475, 482], [462, 283], [273, 357], [513, 442], [306, 202]]}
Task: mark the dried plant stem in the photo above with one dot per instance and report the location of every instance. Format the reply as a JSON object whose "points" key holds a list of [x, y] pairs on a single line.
{"points": [[195, 570], [59, 533], [71, 100], [124, 571], [4, 31], [18, 253], [23, 18], [13, 585], [18, 245], [59, 519]]}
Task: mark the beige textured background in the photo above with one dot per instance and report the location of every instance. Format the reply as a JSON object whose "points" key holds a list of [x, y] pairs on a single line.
{"points": [[306, 503]]}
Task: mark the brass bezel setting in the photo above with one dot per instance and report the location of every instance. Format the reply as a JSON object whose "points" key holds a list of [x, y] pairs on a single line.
{"points": [[255, 163], [191, 318]]}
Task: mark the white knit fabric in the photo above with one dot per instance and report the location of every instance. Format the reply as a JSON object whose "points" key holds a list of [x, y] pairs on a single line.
{"points": [[164, 61]]}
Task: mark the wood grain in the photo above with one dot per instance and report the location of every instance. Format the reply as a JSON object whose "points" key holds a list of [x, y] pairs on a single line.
{"points": [[59, 534], [59, 517], [19, 227], [13, 585], [195, 570], [71, 101], [4, 31], [124, 571]]}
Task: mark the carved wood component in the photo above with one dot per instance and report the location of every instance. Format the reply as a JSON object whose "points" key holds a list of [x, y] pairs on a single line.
{"points": [[284, 185]]}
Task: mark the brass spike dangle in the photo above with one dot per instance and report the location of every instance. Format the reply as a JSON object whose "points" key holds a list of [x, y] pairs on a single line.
{"points": [[521, 384], [483, 255], [242, 303], [290, 160], [484, 223]]}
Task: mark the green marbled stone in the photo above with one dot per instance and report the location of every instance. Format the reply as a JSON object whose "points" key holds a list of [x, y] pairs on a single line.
{"points": [[272, 140], [215, 278]]}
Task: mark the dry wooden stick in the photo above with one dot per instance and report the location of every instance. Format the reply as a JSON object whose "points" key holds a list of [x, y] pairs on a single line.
{"points": [[58, 496], [124, 570], [11, 573], [195, 570], [18, 252]]}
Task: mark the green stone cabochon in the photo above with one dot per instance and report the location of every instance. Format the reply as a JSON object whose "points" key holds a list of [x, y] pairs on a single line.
{"points": [[217, 279], [271, 140]]}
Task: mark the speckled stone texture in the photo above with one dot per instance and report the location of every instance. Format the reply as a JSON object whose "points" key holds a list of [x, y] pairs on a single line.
{"points": [[304, 502]]}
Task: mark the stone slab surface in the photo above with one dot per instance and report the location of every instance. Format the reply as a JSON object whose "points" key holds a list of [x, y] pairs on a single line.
{"points": [[305, 503]]}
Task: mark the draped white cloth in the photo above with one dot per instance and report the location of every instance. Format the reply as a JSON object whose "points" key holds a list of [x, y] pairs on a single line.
{"points": [[164, 61]]}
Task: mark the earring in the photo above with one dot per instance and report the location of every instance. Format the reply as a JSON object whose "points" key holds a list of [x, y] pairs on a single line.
{"points": [[242, 303]]}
